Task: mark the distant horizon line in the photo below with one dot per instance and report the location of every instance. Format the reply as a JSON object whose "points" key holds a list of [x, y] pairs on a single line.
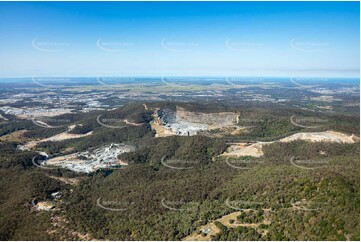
{"points": [[178, 76]]}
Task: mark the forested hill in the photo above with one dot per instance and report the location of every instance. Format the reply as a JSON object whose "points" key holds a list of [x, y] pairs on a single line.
{"points": [[174, 185]]}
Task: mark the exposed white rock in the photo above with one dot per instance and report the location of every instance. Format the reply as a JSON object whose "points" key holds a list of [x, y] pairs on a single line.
{"points": [[92, 160]]}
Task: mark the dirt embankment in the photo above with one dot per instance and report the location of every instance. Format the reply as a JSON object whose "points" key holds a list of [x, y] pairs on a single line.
{"points": [[245, 149], [328, 136], [255, 150]]}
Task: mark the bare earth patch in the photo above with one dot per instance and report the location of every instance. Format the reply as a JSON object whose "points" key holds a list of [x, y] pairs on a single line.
{"points": [[70, 181], [225, 220], [199, 237], [16, 136], [61, 229], [58, 137], [255, 150], [244, 149], [328, 136]]}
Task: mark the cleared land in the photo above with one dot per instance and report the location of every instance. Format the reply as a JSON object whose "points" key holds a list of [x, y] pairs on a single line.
{"points": [[255, 150], [58, 137], [225, 220], [16, 136]]}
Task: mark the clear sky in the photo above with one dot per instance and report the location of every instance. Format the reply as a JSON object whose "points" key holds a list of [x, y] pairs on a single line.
{"points": [[179, 38]]}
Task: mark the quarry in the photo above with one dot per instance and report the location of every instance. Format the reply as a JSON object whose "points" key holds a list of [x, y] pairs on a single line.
{"points": [[186, 123], [92, 160]]}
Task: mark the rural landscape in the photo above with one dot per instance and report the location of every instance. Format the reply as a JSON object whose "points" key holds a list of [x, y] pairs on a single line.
{"points": [[164, 167], [180, 121]]}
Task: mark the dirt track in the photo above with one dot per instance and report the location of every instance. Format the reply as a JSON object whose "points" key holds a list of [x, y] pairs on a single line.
{"points": [[225, 220], [58, 137]]}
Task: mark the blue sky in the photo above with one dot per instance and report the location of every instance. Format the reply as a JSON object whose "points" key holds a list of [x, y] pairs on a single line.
{"points": [[179, 38]]}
